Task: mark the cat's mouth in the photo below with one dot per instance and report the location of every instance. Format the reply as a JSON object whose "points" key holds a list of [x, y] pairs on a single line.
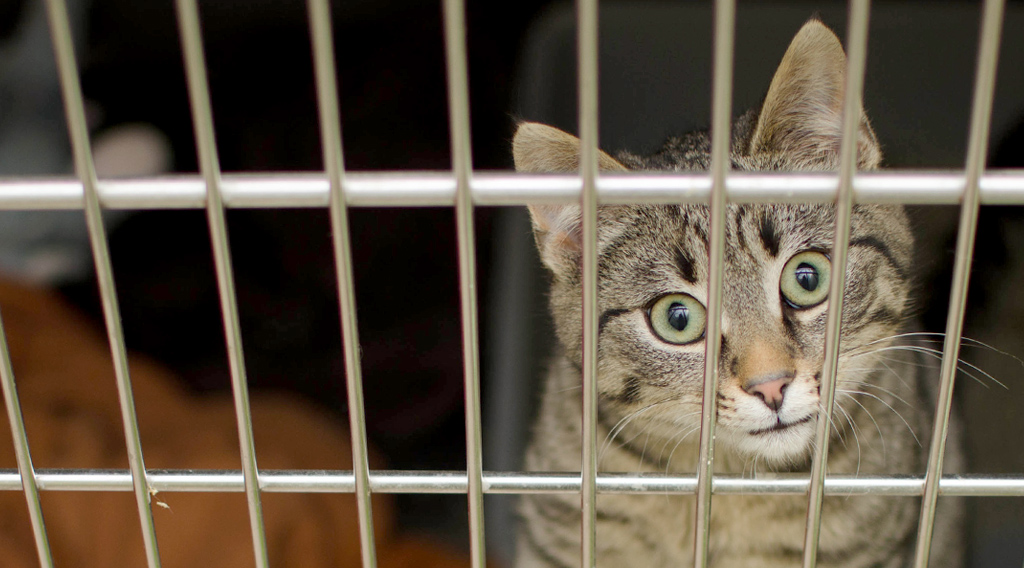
{"points": [[781, 426]]}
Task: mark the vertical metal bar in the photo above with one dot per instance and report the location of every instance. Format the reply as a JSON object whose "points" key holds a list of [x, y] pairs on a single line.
{"points": [[330, 133], [202, 120], [84, 167], [25, 469], [977, 148], [857, 46], [721, 109], [462, 165], [586, 47]]}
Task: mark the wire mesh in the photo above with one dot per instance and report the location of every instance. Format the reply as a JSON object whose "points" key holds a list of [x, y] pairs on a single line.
{"points": [[464, 189]]}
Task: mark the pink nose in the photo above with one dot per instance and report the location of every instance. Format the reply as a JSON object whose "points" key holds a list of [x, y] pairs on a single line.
{"points": [[771, 391]]}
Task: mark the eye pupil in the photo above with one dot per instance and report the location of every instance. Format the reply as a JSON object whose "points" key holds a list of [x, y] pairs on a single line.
{"points": [[678, 316], [807, 277], [678, 319]]}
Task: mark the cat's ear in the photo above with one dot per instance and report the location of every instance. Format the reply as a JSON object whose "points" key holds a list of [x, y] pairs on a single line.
{"points": [[538, 148], [557, 230], [802, 114]]}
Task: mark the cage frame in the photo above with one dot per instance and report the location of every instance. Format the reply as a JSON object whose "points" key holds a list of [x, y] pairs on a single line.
{"points": [[463, 189]]}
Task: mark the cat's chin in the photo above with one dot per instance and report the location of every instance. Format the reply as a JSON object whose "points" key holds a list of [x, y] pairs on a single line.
{"points": [[780, 448]]}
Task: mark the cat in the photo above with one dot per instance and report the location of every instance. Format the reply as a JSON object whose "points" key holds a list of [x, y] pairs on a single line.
{"points": [[652, 279]]}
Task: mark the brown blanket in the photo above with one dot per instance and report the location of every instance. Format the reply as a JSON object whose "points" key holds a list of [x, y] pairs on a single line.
{"points": [[69, 399]]}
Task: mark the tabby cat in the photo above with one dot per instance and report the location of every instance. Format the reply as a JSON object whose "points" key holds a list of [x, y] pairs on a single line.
{"points": [[653, 272]]}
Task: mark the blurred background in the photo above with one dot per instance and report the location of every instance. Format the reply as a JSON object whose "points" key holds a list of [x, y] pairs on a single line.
{"points": [[655, 81]]}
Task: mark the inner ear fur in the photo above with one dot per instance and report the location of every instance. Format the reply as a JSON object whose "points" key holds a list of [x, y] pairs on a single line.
{"points": [[539, 148], [802, 114]]}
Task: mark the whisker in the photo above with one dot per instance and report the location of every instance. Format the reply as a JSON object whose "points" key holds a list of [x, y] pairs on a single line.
{"points": [[867, 384], [887, 405], [668, 463], [939, 337], [881, 437], [854, 429], [937, 354], [622, 423]]}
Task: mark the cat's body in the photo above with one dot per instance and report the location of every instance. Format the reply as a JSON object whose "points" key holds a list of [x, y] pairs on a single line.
{"points": [[652, 287]]}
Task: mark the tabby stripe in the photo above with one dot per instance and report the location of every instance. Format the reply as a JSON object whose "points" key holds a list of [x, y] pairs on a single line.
{"points": [[882, 249], [685, 264], [885, 315], [555, 510], [770, 237], [608, 315], [741, 212], [881, 316], [531, 541], [789, 325], [630, 391]]}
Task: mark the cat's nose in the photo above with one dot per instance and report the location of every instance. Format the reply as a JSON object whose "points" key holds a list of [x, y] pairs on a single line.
{"points": [[770, 389]]}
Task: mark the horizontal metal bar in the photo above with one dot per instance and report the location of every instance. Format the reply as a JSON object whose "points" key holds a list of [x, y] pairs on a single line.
{"points": [[427, 189], [454, 482]]}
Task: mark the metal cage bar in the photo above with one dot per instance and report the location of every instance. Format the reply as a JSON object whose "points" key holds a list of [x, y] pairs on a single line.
{"points": [[202, 120], [463, 189], [721, 136], [981, 116], [506, 483], [462, 166], [26, 473], [74, 109], [857, 47], [330, 132], [587, 81], [434, 189]]}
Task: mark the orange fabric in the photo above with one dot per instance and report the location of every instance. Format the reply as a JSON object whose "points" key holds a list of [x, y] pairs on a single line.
{"points": [[68, 396]]}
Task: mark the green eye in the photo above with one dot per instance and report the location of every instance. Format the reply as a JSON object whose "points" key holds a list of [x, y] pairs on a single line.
{"points": [[805, 279], [678, 318]]}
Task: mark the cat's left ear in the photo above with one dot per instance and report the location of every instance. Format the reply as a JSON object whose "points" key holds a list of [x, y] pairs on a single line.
{"points": [[802, 114], [538, 148]]}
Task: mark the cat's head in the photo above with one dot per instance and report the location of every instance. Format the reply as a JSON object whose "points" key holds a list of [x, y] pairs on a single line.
{"points": [[653, 270]]}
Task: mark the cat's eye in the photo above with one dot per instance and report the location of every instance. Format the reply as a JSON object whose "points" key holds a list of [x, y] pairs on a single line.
{"points": [[678, 318], [805, 279]]}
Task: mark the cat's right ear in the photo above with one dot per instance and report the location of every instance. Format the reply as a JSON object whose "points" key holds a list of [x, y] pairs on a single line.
{"points": [[538, 148], [542, 149]]}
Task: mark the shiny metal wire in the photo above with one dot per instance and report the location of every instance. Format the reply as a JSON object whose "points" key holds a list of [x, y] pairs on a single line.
{"points": [[721, 136], [464, 189], [202, 121], [586, 52], [433, 189], [334, 164], [462, 166], [977, 146], [74, 108], [857, 47], [26, 472], [505, 483]]}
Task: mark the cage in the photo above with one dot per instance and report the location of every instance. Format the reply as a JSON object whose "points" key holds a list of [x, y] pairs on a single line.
{"points": [[937, 52]]}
